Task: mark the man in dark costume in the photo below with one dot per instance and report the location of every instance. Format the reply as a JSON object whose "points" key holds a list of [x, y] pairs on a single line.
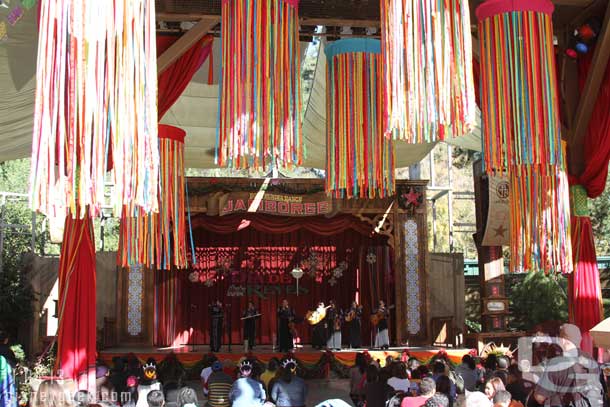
{"points": [[250, 316], [334, 316], [354, 315], [286, 317], [382, 338], [216, 319], [319, 333]]}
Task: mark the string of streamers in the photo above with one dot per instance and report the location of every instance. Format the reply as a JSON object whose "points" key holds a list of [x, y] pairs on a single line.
{"points": [[359, 158], [260, 94], [96, 95], [427, 53], [522, 134], [159, 239]]}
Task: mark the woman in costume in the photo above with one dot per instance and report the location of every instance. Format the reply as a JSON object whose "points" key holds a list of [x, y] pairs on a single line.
{"points": [[354, 317], [249, 317], [286, 317], [216, 318], [382, 338]]}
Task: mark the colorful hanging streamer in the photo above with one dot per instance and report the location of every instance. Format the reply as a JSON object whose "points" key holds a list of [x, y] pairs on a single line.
{"points": [[96, 104], [359, 158], [159, 239], [522, 130], [427, 54], [260, 93]]}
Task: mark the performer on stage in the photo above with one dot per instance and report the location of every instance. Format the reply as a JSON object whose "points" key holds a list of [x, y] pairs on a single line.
{"points": [[334, 317], [250, 315], [382, 338], [320, 330], [354, 317], [286, 318], [216, 318]]}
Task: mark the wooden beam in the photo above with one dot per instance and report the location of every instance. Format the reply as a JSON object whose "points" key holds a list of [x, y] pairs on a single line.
{"points": [[328, 22], [185, 42], [577, 3], [590, 91]]}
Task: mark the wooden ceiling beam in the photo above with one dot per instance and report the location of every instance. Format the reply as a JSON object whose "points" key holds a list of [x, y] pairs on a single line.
{"points": [[328, 22], [186, 41], [576, 3], [592, 86]]}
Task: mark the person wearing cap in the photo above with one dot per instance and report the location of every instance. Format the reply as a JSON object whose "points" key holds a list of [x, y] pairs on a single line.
{"points": [[427, 389], [289, 390], [208, 361], [104, 387], [571, 378], [247, 392], [148, 383], [219, 386]]}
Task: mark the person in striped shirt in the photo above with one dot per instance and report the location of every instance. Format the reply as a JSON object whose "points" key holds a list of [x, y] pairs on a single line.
{"points": [[219, 386]]}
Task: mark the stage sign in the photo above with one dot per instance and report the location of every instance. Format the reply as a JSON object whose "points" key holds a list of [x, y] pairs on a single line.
{"points": [[269, 203], [497, 228]]}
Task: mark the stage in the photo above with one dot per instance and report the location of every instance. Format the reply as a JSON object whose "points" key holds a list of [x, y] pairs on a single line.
{"points": [[191, 356]]}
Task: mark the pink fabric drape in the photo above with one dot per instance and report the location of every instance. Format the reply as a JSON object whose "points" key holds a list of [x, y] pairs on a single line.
{"points": [[585, 289]]}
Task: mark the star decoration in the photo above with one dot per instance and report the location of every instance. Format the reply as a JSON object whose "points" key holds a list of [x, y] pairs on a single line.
{"points": [[412, 197], [209, 282], [500, 230], [194, 277]]}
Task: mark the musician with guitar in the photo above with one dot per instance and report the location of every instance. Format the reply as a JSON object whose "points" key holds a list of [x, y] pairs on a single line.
{"points": [[379, 319], [216, 319], [318, 319], [334, 317], [249, 319], [286, 317], [354, 318]]}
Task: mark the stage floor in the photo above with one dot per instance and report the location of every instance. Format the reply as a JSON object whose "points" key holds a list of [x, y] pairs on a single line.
{"points": [[193, 354]]}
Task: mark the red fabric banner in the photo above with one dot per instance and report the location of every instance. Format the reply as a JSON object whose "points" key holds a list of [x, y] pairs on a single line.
{"points": [[174, 80], [259, 258], [76, 333], [585, 293]]}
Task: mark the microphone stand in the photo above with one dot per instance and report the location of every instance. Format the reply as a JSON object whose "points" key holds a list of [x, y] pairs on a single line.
{"points": [[229, 326]]}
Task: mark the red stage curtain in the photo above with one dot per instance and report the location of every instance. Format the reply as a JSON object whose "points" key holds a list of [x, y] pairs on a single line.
{"points": [[271, 247], [76, 333], [585, 289], [178, 75]]}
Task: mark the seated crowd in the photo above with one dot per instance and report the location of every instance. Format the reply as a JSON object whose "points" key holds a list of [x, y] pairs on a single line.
{"points": [[494, 382]]}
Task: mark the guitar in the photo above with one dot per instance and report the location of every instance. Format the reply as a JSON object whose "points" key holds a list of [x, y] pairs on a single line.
{"points": [[379, 315], [314, 317], [351, 315]]}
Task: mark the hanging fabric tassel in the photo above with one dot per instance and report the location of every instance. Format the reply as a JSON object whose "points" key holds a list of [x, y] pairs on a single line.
{"points": [[96, 94], [359, 158], [522, 130], [427, 54], [159, 239], [260, 91]]}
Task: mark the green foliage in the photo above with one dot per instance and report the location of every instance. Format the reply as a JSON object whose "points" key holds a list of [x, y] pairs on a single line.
{"points": [[19, 352], [600, 221], [536, 297], [473, 326]]}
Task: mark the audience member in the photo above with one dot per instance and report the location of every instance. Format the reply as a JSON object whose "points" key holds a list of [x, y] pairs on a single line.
{"points": [[148, 383], [427, 388], [438, 400], [289, 390], [8, 391], [155, 399], [357, 374], [399, 380], [129, 398], [103, 386], [502, 368], [187, 397], [439, 369], [468, 371], [270, 372], [6, 351], [443, 386], [492, 386], [376, 391], [50, 394], [517, 386], [219, 386], [208, 360], [247, 392], [477, 399], [502, 398]]}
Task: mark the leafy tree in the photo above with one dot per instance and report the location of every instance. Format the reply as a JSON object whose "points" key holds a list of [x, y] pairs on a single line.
{"points": [[536, 297]]}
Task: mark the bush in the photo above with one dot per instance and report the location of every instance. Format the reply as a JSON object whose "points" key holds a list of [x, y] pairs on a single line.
{"points": [[536, 297]]}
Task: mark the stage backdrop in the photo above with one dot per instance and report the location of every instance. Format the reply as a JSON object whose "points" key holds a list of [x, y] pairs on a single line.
{"points": [[250, 257]]}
